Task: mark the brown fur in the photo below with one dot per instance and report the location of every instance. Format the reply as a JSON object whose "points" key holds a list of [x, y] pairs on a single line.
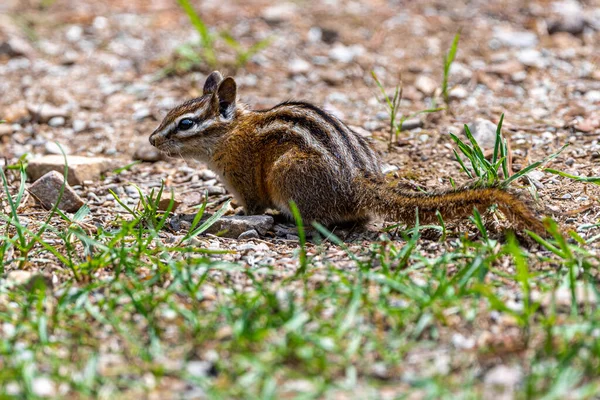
{"points": [[296, 151]]}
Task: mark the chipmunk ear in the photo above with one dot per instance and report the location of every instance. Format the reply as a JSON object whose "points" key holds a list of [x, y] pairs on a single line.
{"points": [[212, 82], [226, 94]]}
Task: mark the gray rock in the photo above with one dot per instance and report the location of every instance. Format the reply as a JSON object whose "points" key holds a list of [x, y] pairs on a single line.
{"points": [[5, 130], [412, 123], [299, 66], [503, 378], [279, 13], [16, 47], [53, 148], [426, 85], [56, 122], [251, 234], [235, 225], [80, 168], [593, 96], [79, 125], [45, 112], [518, 39], [458, 92], [47, 189], [484, 132], [215, 190], [569, 18], [345, 54], [142, 114], [531, 58]]}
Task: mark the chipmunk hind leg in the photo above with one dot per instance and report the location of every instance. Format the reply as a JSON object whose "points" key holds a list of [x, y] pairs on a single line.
{"points": [[319, 194]]}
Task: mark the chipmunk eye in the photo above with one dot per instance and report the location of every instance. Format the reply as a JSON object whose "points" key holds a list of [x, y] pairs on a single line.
{"points": [[185, 124]]}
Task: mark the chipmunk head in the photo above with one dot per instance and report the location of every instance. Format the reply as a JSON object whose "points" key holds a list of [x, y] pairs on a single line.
{"points": [[193, 127]]}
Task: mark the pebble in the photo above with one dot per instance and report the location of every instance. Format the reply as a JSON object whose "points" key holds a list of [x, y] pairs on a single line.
{"points": [[43, 387], [54, 148], [45, 112], [531, 58], [345, 54], [593, 96], [570, 161], [79, 125], [249, 234], [426, 85], [215, 190], [569, 18], [233, 226], [47, 189], [518, 39], [5, 130], [566, 196], [142, 114], [207, 174], [198, 369], [80, 168], [299, 66], [484, 131], [505, 376], [19, 277], [279, 13], [458, 92], [56, 122]]}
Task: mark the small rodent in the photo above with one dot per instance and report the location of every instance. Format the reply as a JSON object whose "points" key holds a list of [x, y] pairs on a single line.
{"points": [[297, 151]]}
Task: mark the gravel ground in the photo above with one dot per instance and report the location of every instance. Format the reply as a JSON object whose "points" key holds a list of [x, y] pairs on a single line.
{"points": [[97, 77]]}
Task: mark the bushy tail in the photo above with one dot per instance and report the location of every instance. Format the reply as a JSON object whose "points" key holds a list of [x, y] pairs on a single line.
{"points": [[387, 200]]}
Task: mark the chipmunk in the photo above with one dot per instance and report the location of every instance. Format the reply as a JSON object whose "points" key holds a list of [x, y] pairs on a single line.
{"points": [[297, 151]]}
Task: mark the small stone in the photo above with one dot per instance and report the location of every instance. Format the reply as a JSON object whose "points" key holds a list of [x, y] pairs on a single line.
{"points": [[5, 130], [146, 152], [299, 66], [80, 168], [462, 343], [47, 189], [566, 196], [459, 93], [460, 73], [531, 58], [45, 112], [43, 387], [484, 132], [79, 125], [54, 148], [536, 175], [279, 13], [570, 161], [74, 33], [233, 226], [503, 378], [15, 46], [506, 68], [18, 277], [142, 114], [569, 18], [250, 234], [215, 190], [593, 96], [56, 122], [426, 85], [518, 39], [345, 54], [207, 175]]}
